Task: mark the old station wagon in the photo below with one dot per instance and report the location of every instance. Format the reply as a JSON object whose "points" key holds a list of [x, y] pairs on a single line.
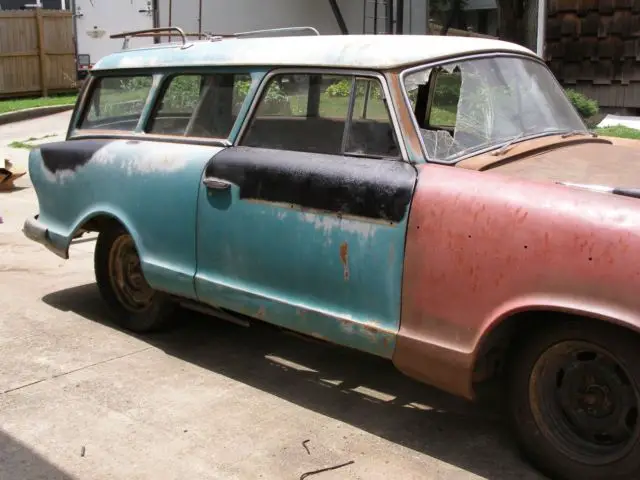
{"points": [[434, 201]]}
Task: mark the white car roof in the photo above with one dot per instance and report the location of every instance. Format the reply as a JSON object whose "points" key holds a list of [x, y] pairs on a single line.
{"points": [[380, 52]]}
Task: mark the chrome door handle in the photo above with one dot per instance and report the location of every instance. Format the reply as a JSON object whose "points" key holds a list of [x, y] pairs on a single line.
{"points": [[216, 183]]}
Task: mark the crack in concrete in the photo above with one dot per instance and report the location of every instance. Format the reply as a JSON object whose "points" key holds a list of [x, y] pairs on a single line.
{"points": [[101, 362]]}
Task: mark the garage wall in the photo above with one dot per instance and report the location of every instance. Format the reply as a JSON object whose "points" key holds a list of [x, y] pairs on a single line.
{"points": [[229, 16]]}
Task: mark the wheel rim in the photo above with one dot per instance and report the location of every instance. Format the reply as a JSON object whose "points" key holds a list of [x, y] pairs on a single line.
{"points": [[584, 403], [125, 273]]}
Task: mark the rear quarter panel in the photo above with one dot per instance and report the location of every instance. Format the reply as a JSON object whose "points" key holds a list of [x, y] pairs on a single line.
{"points": [[150, 187], [481, 246]]}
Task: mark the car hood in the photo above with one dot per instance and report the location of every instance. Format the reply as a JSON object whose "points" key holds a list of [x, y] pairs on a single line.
{"points": [[595, 161]]}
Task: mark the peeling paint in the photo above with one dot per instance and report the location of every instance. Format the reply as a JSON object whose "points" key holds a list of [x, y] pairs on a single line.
{"points": [[149, 157], [344, 258], [329, 223]]}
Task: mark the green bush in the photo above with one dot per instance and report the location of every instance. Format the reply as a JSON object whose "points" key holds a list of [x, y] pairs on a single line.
{"points": [[585, 106], [343, 89]]}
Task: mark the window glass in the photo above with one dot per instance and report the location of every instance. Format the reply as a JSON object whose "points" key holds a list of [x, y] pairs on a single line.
{"points": [[310, 113], [117, 103], [371, 132], [483, 103], [200, 105]]}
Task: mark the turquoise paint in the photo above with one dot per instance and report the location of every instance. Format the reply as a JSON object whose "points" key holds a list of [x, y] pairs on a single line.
{"points": [[285, 266], [150, 187]]}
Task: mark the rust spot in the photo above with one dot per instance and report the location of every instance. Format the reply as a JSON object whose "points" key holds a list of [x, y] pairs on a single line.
{"points": [[344, 258]]}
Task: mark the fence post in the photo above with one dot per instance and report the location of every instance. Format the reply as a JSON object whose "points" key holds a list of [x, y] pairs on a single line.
{"points": [[41, 51]]}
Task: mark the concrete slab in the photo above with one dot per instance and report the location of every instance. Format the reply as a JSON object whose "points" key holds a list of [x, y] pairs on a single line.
{"points": [[82, 399]]}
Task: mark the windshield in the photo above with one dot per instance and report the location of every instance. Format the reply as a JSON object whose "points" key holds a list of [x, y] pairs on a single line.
{"points": [[479, 104]]}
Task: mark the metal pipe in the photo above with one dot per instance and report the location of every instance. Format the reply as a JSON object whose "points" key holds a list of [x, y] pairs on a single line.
{"points": [[400, 18], [542, 23], [170, 15], [199, 18], [339, 18], [389, 13], [375, 17]]}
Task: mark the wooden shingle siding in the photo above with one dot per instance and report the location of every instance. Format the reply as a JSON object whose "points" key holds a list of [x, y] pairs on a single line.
{"points": [[594, 47]]}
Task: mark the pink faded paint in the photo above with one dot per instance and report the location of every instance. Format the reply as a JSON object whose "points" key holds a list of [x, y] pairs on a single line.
{"points": [[482, 246]]}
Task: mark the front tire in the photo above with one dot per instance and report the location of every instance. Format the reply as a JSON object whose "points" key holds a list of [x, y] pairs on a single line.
{"points": [[574, 401], [134, 304]]}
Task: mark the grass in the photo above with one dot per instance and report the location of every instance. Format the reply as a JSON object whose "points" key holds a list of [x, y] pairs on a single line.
{"points": [[619, 131], [27, 144], [7, 106]]}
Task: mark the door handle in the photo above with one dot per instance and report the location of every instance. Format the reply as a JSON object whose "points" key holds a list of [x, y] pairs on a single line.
{"points": [[214, 183]]}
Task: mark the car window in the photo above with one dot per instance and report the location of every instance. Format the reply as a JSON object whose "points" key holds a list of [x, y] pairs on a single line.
{"points": [[116, 103], [312, 113], [199, 105]]}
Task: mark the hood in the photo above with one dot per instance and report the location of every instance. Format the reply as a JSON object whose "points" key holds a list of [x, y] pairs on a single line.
{"points": [[582, 160]]}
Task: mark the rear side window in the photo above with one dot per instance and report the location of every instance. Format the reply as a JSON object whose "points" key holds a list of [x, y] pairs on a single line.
{"points": [[196, 105], [116, 103]]}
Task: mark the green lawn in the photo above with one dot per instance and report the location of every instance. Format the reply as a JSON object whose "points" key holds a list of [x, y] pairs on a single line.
{"points": [[619, 131], [7, 106]]}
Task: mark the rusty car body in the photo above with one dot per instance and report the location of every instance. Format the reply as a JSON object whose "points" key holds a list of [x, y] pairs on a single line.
{"points": [[436, 201]]}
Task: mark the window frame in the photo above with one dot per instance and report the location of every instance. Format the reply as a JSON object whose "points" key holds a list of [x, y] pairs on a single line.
{"points": [[95, 83], [161, 81], [257, 98], [439, 63], [165, 84]]}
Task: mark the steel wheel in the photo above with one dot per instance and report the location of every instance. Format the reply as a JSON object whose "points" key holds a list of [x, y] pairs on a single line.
{"points": [[126, 278], [584, 403]]}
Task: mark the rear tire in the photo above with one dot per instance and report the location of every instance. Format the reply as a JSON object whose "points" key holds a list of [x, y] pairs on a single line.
{"points": [[574, 394], [134, 304]]}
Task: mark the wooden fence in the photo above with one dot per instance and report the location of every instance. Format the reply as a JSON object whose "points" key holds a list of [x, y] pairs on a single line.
{"points": [[37, 52]]}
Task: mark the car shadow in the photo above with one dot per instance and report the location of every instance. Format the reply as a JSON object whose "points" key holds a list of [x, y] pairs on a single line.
{"points": [[19, 462], [359, 389]]}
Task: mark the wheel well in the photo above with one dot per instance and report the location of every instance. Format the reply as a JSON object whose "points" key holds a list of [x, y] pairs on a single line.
{"points": [[496, 348], [99, 223]]}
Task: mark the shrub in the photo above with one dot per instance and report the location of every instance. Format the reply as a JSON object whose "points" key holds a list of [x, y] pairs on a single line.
{"points": [[585, 106]]}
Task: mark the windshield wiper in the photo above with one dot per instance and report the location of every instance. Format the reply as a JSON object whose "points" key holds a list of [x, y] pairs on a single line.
{"points": [[579, 132], [508, 144]]}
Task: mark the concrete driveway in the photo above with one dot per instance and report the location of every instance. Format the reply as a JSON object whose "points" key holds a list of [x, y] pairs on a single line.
{"points": [[81, 399]]}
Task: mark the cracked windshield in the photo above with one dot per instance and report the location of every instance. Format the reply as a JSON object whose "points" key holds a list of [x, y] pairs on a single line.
{"points": [[479, 104]]}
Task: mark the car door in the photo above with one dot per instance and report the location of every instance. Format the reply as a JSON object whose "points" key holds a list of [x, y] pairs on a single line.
{"points": [[303, 222]]}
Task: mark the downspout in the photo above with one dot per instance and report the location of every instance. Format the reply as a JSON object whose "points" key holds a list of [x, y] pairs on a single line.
{"points": [[542, 24], [200, 20], [400, 18], [170, 14], [339, 18]]}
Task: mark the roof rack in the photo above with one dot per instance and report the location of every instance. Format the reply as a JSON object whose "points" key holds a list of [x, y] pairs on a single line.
{"points": [[150, 32], [276, 32], [176, 31]]}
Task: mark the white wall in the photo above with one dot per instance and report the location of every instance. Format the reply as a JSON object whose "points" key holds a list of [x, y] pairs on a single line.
{"points": [[229, 16]]}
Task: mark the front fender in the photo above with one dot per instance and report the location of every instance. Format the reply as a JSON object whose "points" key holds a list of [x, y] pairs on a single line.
{"points": [[481, 246]]}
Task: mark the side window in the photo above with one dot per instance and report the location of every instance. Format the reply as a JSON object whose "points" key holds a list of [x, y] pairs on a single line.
{"points": [[116, 103], [444, 103], [311, 113], [199, 105]]}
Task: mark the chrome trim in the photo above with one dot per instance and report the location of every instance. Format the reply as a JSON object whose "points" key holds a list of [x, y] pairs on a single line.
{"points": [[447, 61], [35, 230], [328, 71]]}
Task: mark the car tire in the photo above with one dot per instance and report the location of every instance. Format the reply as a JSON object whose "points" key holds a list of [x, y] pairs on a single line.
{"points": [[134, 304], [574, 400]]}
